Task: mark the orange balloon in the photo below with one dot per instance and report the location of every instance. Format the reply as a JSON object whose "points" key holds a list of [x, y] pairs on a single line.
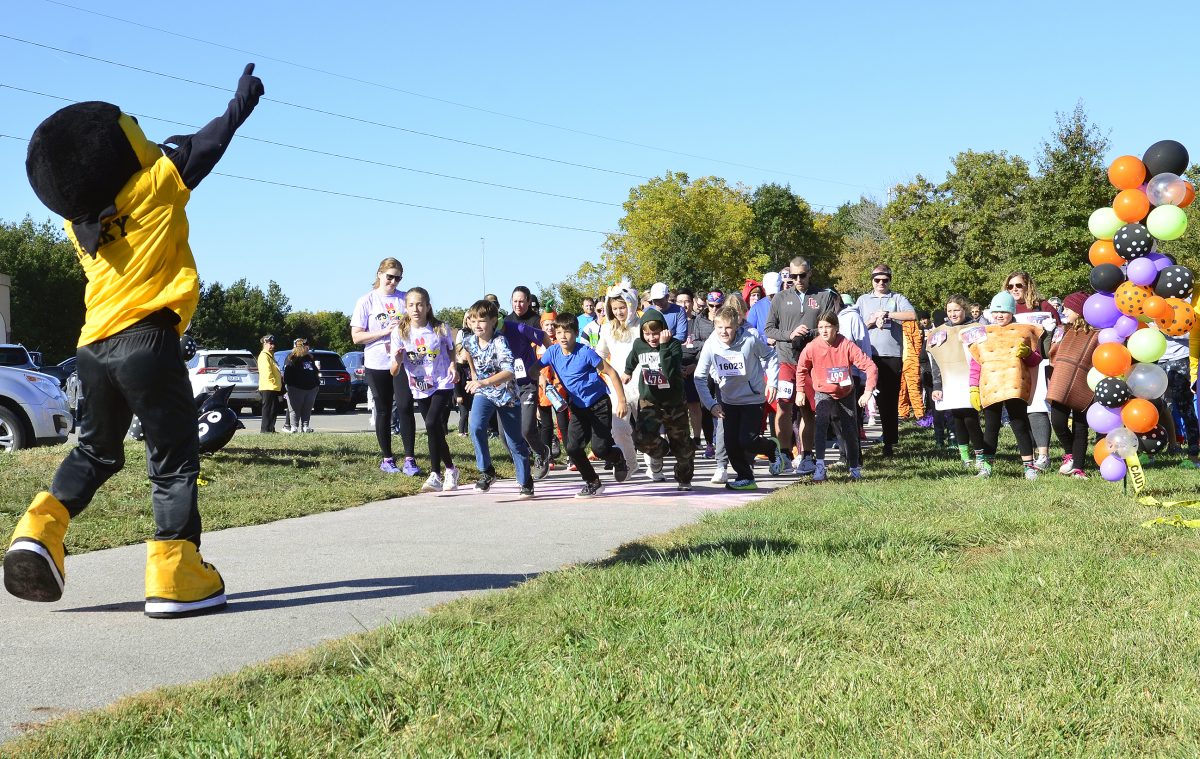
{"points": [[1179, 320], [1100, 452], [1130, 298], [1102, 252], [1131, 205], [1139, 415], [1156, 307], [1127, 172], [1112, 359], [1189, 195]]}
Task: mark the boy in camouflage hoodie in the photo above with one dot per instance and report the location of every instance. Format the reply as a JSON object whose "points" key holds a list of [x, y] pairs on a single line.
{"points": [[658, 360]]}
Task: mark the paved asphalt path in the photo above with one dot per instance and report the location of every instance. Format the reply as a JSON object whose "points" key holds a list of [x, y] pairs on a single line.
{"points": [[297, 582]]}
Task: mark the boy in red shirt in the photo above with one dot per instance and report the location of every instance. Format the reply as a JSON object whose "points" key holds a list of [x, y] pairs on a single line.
{"points": [[825, 362]]}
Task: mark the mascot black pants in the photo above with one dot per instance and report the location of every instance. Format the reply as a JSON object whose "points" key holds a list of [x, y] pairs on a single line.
{"points": [[137, 371]]}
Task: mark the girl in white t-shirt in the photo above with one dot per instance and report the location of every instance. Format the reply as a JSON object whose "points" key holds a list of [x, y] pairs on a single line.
{"points": [[375, 314], [422, 346], [621, 327]]}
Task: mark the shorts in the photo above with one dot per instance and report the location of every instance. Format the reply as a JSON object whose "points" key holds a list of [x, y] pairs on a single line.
{"points": [[787, 373], [689, 391]]}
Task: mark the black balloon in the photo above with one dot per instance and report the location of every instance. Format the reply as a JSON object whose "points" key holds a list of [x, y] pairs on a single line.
{"points": [[1106, 278], [135, 429], [1165, 157], [1175, 282], [1112, 392], [217, 422], [1154, 441], [1133, 241]]}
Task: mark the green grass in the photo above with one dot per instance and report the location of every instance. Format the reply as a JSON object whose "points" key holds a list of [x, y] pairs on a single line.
{"points": [[919, 613], [253, 480]]}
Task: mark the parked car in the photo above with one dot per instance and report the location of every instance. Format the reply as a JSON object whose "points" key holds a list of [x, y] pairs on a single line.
{"points": [[335, 391], [210, 369], [60, 371], [354, 363], [16, 356], [33, 410]]}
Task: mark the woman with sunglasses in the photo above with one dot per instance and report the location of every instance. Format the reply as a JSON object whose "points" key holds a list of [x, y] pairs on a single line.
{"points": [[883, 310], [1020, 285], [375, 314]]}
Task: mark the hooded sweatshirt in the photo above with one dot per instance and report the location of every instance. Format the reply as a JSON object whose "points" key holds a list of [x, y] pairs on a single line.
{"points": [[737, 369], [659, 370]]}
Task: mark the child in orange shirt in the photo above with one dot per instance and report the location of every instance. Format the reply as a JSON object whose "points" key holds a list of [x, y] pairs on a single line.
{"points": [[548, 411]]}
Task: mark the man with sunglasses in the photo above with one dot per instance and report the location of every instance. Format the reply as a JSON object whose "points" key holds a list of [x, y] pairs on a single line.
{"points": [[883, 311], [792, 323]]}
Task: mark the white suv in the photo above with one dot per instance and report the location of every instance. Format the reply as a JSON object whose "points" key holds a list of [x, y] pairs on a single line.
{"points": [[33, 410], [210, 369]]}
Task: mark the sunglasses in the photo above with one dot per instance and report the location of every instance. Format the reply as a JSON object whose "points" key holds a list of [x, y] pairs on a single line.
{"points": [[881, 279], [1015, 285], [393, 277]]}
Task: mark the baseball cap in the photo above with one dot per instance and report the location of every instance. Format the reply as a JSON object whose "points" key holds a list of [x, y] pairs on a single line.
{"points": [[771, 282], [847, 299], [716, 297], [658, 290], [268, 338]]}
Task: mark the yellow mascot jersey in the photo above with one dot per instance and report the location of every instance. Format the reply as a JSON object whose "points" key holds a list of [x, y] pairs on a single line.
{"points": [[144, 263]]}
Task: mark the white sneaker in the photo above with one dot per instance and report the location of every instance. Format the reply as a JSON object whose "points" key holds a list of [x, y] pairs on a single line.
{"points": [[720, 476], [807, 466], [654, 467], [1042, 463], [432, 485], [308, 429], [451, 480]]}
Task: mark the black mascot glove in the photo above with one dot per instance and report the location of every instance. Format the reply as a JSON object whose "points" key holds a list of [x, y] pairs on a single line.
{"points": [[250, 87]]}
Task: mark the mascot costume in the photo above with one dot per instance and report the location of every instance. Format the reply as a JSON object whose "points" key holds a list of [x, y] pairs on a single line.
{"points": [[123, 200]]}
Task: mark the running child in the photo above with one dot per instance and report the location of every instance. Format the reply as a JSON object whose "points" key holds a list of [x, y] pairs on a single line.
{"points": [[736, 360], [579, 367], [552, 403], [826, 364], [422, 345], [494, 386], [658, 360]]}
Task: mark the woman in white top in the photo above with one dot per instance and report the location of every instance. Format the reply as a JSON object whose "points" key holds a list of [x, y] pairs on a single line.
{"points": [[375, 314], [621, 327]]}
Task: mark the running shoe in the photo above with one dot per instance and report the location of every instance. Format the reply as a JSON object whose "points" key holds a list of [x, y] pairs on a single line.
{"points": [[684, 487], [655, 467], [621, 470], [450, 481], [855, 473], [526, 492], [410, 467], [742, 485], [720, 476], [485, 481], [433, 484], [1068, 465], [540, 467], [808, 465], [590, 489], [818, 471], [387, 465]]}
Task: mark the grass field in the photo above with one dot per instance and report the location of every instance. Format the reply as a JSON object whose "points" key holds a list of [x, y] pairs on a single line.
{"points": [[919, 613], [253, 480]]}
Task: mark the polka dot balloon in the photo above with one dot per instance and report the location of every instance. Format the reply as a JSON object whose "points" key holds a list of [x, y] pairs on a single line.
{"points": [[1133, 241], [1175, 282], [1112, 392], [1154, 441]]}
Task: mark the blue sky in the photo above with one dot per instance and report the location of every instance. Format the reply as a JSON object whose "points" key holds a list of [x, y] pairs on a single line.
{"points": [[835, 99]]}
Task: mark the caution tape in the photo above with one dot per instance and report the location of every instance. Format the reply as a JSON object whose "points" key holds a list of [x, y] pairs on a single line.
{"points": [[1136, 474], [1154, 502], [1174, 521]]}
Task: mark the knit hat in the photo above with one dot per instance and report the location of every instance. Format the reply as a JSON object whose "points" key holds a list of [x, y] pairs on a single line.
{"points": [[1003, 302], [549, 316], [1075, 301], [847, 299], [771, 282]]}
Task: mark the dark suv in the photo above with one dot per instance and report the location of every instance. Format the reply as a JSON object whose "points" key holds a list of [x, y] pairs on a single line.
{"points": [[335, 391], [353, 360]]}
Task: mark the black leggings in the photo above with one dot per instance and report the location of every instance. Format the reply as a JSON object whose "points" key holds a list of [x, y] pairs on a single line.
{"points": [[743, 438], [433, 411], [1018, 417], [966, 428], [1074, 438], [546, 418], [387, 388], [841, 411]]}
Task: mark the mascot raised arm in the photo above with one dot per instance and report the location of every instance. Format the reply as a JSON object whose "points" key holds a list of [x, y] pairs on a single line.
{"points": [[123, 199]]}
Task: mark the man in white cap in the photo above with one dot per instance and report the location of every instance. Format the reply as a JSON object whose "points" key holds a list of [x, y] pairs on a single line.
{"points": [[677, 320], [757, 317]]}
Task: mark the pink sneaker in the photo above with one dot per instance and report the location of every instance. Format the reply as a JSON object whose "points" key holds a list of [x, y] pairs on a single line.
{"points": [[1068, 465]]}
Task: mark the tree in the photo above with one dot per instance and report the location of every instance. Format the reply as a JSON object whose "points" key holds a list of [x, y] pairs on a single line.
{"points": [[238, 315], [451, 316], [589, 281], [672, 224], [328, 330], [784, 227], [47, 287]]}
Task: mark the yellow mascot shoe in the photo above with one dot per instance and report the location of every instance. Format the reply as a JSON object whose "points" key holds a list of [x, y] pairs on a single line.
{"points": [[33, 565], [179, 583]]}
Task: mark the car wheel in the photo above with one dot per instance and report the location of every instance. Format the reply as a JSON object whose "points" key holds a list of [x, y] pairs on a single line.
{"points": [[12, 431]]}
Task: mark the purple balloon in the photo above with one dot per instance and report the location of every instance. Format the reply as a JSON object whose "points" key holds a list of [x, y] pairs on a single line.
{"points": [[1160, 260], [1103, 419], [1113, 469], [1110, 335], [1126, 325], [1100, 310], [1141, 271]]}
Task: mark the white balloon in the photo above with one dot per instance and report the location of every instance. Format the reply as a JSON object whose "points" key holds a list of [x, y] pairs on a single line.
{"points": [[1147, 381], [1166, 189], [1122, 441]]}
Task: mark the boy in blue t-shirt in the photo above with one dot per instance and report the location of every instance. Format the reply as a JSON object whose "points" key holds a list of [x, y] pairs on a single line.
{"points": [[580, 369]]}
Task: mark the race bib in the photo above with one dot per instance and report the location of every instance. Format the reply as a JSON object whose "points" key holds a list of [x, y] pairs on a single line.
{"points": [[730, 364], [838, 375], [652, 373], [519, 368], [973, 336], [420, 382], [786, 389]]}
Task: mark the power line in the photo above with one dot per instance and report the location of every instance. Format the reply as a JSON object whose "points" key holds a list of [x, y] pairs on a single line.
{"points": [[385, 200], [446, 101], [322, 111], [315, 151]]}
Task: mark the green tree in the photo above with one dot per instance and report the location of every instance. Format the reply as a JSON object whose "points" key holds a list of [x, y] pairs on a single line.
{"points": [[326, 330], [47, 287], [785, 226], [671, 217], [451, 316], [238, 315], [591, 280]]}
